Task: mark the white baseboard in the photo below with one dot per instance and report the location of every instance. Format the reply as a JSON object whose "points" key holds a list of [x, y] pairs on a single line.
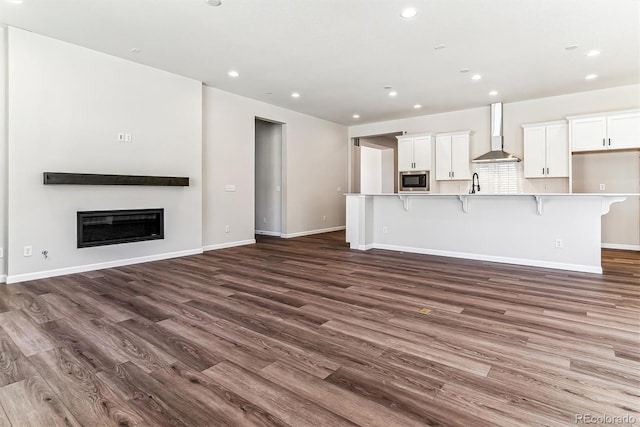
{"points": [[3, 278], [363, 247], [310, 232], [268, 233], [229, 245], [99, 266], [619, 246], [493, 258]]}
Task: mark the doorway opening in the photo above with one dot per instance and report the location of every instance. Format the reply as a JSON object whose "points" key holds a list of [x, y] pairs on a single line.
{"points": [[269, 189], [374, 164]]}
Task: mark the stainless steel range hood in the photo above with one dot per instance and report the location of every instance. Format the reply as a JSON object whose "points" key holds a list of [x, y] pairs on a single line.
{"points": [[497, 154]]}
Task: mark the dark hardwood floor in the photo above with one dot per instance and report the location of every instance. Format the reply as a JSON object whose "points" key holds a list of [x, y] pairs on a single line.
{"points": [[305, 332]]}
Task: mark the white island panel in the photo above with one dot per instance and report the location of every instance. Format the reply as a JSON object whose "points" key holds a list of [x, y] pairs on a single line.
{"points": [[515, 229]]}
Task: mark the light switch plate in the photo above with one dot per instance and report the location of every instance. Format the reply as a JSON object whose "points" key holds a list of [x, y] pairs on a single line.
{"points": [[229, 187]]}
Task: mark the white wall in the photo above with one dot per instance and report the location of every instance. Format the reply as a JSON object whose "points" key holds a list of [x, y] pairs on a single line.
{"points": [[66, 105], [3, 151], [268, 178], [315, 159], [388, 170], [516, 114], [370, 170], [620, 173]]}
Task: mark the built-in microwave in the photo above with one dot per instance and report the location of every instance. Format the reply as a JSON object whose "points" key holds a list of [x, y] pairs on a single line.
{"points": [[414, 181]]}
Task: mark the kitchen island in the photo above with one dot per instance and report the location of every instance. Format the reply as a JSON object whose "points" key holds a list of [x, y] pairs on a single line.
{"points": [[561, 231]]}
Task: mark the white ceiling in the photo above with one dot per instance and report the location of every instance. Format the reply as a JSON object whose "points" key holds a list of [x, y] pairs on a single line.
{"points": [[339, 54]]}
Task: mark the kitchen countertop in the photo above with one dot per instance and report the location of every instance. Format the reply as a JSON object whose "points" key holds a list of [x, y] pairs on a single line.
{"points": [[424, 194]]}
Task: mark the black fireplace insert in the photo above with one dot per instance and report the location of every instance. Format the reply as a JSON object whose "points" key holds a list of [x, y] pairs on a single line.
{"points": [[97, 228]]}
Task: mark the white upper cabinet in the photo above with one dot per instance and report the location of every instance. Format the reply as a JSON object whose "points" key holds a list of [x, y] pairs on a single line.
{"points": [[606, 131], [623, 130], [535, 151], [422, 153], [452, 156], [414, 152], [546, 150]]}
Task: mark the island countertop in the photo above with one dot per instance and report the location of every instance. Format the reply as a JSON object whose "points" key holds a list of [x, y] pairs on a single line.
{"points": [[553, 230]]}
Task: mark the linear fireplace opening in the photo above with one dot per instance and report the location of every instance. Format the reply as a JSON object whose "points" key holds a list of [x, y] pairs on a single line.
{"points": [[97, 228]]}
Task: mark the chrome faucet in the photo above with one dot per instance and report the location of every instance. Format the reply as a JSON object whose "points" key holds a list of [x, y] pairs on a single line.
{"points": [[475, 187]]}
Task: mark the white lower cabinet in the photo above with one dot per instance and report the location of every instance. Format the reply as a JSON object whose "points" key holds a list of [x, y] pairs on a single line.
{"points": [[546, 150]]}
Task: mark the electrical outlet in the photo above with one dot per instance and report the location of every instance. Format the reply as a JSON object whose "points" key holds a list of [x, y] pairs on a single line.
{"points": [[121, 136], [227, 229], [385, 230], [338, 189], [324, 218], [278, 188], [230, 188], [264, 220], [127, 137], [27, 251], [558, 243], [602, 187]]}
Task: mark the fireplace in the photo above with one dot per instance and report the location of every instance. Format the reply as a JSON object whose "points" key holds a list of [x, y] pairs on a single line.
{"points": [[97, 228]]}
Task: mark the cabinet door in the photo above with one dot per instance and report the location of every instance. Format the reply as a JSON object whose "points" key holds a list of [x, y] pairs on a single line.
{"points": [[460, 157], [535, 152], [589, 134], [557, 157], [623, 130], [405, 154], [443, 158], [422, 153]]}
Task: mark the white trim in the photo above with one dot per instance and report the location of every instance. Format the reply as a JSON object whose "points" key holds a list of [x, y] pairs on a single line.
{"points": [[3, 278], [363, 247], [492, 258], [229, 245], [319, 231], [619, 246], [268, 233], [602, 113], [554, 122], [99, 266]]}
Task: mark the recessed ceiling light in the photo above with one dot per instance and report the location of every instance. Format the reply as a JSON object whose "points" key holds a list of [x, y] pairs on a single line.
{"points": [[465, 70], [214, 2], [591, 77], [572, 47], [409, 12], [233, 73], [417, 106], [439, 47], [476, 77], [136, 50], [356, 116], [593, 53], [295, 95], [493, 93], [393, 93]]}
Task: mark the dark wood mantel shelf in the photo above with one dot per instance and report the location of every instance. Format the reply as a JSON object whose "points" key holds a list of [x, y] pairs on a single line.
{"points": [[100, 179]]}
